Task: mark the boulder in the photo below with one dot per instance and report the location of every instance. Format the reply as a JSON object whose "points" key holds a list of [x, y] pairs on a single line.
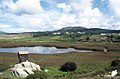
{"points": [[23, 69], [112, 75]]}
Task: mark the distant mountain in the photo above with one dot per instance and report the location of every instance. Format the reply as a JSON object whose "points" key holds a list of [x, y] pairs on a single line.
{"points": [[72, 29], [1, 32], [87, 30]]}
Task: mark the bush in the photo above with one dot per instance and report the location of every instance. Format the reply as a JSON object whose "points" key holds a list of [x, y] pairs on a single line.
{"points": [[69, 66], [115, 63], [38, 75]]}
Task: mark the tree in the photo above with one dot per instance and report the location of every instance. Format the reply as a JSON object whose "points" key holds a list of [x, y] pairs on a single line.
{"points": [[87, 38]]}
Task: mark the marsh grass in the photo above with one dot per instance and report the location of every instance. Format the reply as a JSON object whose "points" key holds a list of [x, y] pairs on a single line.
{"points": [[87, 63]]}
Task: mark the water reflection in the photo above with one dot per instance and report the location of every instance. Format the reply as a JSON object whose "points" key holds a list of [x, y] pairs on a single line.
{"points": [[41, 50]]}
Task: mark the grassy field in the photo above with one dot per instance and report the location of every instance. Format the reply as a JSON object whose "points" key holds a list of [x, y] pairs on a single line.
{"points": [[27, 37], [88, 64], [30, 38]]}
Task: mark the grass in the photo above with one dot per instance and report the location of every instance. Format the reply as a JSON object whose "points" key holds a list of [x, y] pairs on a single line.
{"points": [[87, 63], [62, 38], [8, 75], [30, 38]]}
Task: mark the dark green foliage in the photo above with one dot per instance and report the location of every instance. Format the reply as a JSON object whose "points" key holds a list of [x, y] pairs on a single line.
{"points": [[87, 38], [118, 38], [69, 66], [115, 63], [38, 75], [39, 34], [73, 36]]}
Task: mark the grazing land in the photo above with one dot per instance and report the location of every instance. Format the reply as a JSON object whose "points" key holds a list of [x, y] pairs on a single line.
{"points": [[89, 64]]}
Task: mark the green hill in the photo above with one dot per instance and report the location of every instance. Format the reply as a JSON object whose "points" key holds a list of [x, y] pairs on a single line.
{"points": [[1, 32], [74, 30], [87, 30]]}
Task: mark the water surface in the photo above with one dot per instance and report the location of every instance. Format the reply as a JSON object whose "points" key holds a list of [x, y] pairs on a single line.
{"points": [[42, 50]]}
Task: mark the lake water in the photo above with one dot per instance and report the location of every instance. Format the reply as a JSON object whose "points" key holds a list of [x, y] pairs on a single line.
{"points": [[42, 50]]}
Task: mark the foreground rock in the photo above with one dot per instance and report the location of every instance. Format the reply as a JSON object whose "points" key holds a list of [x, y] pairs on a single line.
{"points": [[23, 69]]}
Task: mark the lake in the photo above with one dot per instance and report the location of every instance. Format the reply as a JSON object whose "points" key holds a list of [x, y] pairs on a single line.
{"points": [[42, 50]]}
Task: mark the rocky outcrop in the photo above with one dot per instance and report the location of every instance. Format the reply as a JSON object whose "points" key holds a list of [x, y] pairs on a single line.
{"points": [[23, 69]]}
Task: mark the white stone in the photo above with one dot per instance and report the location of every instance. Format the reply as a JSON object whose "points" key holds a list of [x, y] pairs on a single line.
{"points": [[19, 72], [26, 64], [23, 69], [114, 73], [28, 70]]}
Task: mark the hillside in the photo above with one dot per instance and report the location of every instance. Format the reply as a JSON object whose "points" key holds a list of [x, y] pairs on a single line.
{"points": [[87, 30], [75, 30], [72, 29], [1, 32]]}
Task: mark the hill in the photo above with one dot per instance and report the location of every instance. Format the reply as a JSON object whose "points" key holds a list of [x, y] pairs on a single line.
{"points": [[1, 32], [87, 30], [74, 30]]}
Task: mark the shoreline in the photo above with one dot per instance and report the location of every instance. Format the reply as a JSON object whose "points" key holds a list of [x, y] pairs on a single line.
{"points": [[61, 45]]}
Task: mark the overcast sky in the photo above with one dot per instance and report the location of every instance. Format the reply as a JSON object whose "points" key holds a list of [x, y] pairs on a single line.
{"points": [[46, 15]]}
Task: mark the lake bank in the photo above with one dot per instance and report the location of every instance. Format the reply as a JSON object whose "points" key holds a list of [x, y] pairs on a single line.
{"points": [[77, 45]]}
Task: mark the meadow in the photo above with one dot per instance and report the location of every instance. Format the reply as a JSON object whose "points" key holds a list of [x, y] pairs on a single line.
{"points": [[89, 65]]}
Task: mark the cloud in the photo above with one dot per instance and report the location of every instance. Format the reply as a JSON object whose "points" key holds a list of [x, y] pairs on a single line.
{"points": [[51, 20], [115, 6], [80, 13], [89, 12], [37, 22], [80, 5], [6, 28], [66, 8], [30, 15], [23, 6]]}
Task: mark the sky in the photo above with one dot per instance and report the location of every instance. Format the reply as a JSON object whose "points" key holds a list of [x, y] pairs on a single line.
{"points": [[46, 15]]}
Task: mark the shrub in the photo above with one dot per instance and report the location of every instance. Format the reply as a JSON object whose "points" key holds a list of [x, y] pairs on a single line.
{"points": [[68, 66], [38, 75], [115, 63]]}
